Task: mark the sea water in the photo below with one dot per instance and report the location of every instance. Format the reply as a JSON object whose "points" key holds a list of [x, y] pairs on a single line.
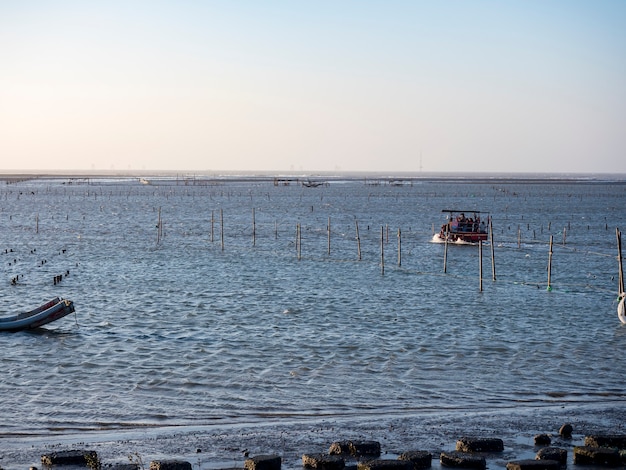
{"points": [[237, 299]]}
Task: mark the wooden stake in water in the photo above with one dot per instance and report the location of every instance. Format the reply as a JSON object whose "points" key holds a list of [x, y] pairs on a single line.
{"points": [[550, 265], [382, 250], [328, 230], [37, 223], [480, 265], [358, 240], [493, 259], [159, 224], [299, 241], [253, 227], [222, 227], [445, 251], [399, 248], [212, 224]]}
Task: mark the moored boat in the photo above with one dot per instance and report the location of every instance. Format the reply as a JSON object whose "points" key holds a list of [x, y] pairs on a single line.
{"points": [[463, 228], [50, 311]]}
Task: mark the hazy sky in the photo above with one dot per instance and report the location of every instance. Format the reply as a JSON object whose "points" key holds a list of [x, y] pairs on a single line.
{"points": [[472, 85]]}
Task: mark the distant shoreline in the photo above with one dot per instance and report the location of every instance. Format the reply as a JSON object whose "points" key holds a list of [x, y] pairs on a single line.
{"points": [[259, 176]]}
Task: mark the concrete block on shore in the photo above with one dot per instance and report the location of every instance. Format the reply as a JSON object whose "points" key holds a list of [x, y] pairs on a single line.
{"points": [[543, 440], [71, 457], [355, 448], [605, 456], [385, 464], [420, 459], [470, 444], [462, 460], [552, 453], [566, 431], [323, 461], [170, 465], [263, 462], [606, 440], [530, 464]]}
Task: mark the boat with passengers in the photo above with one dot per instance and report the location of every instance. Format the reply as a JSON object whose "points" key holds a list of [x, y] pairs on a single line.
{"points": [[463, 226]]}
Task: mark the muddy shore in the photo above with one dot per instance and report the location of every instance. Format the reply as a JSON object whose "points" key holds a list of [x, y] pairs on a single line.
{"points": [[226, 445]]}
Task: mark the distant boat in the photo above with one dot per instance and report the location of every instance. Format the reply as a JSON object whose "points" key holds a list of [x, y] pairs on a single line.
{"points": [[311, 184], [42, 315], [465, 228], [144, 181]]}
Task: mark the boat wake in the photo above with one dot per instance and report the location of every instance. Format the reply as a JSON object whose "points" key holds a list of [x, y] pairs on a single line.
{"points": [[437, 239]]}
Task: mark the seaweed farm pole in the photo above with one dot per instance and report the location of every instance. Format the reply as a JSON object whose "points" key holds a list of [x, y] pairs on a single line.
{"points": [[619, 260], [550, 265], [222, 227], [493, 259], [298, 241], [382, 250], [358, 240], [519, 236], [37, 223], [159, 227], [253, 227], [445, 251], [399, 248], [328, 230], [212, 224], [564, 234], [480, 265]]}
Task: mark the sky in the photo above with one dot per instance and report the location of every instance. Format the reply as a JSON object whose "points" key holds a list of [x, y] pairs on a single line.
{"points": [[388, 86]]}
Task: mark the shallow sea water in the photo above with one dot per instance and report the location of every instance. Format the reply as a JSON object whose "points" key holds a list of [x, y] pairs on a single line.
{"points": [[185, 331]]}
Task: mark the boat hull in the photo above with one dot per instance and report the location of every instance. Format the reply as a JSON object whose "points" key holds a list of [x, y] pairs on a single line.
{"points": [[473, 237], [42, 315], [463, 229]]}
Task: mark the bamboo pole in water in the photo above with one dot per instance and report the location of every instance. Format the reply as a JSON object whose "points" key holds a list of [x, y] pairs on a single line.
{"points": [[493, 258], [620, 286], [159, 224], [212, 225], [358, 240], [382, 250], [445, 251], [550, 265], [328, 230], [222, 227], [253, 227], [299, 241], [480, 265], [399, 248]]}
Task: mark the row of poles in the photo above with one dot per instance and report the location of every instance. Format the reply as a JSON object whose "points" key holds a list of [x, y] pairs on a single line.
{"points": [[384, 238]]}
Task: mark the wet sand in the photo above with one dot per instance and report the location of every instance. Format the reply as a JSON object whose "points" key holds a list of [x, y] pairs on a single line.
{"points": [[226, 445]]}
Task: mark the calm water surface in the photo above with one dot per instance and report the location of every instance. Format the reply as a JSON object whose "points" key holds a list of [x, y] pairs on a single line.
{"points": [[185, 330]]}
